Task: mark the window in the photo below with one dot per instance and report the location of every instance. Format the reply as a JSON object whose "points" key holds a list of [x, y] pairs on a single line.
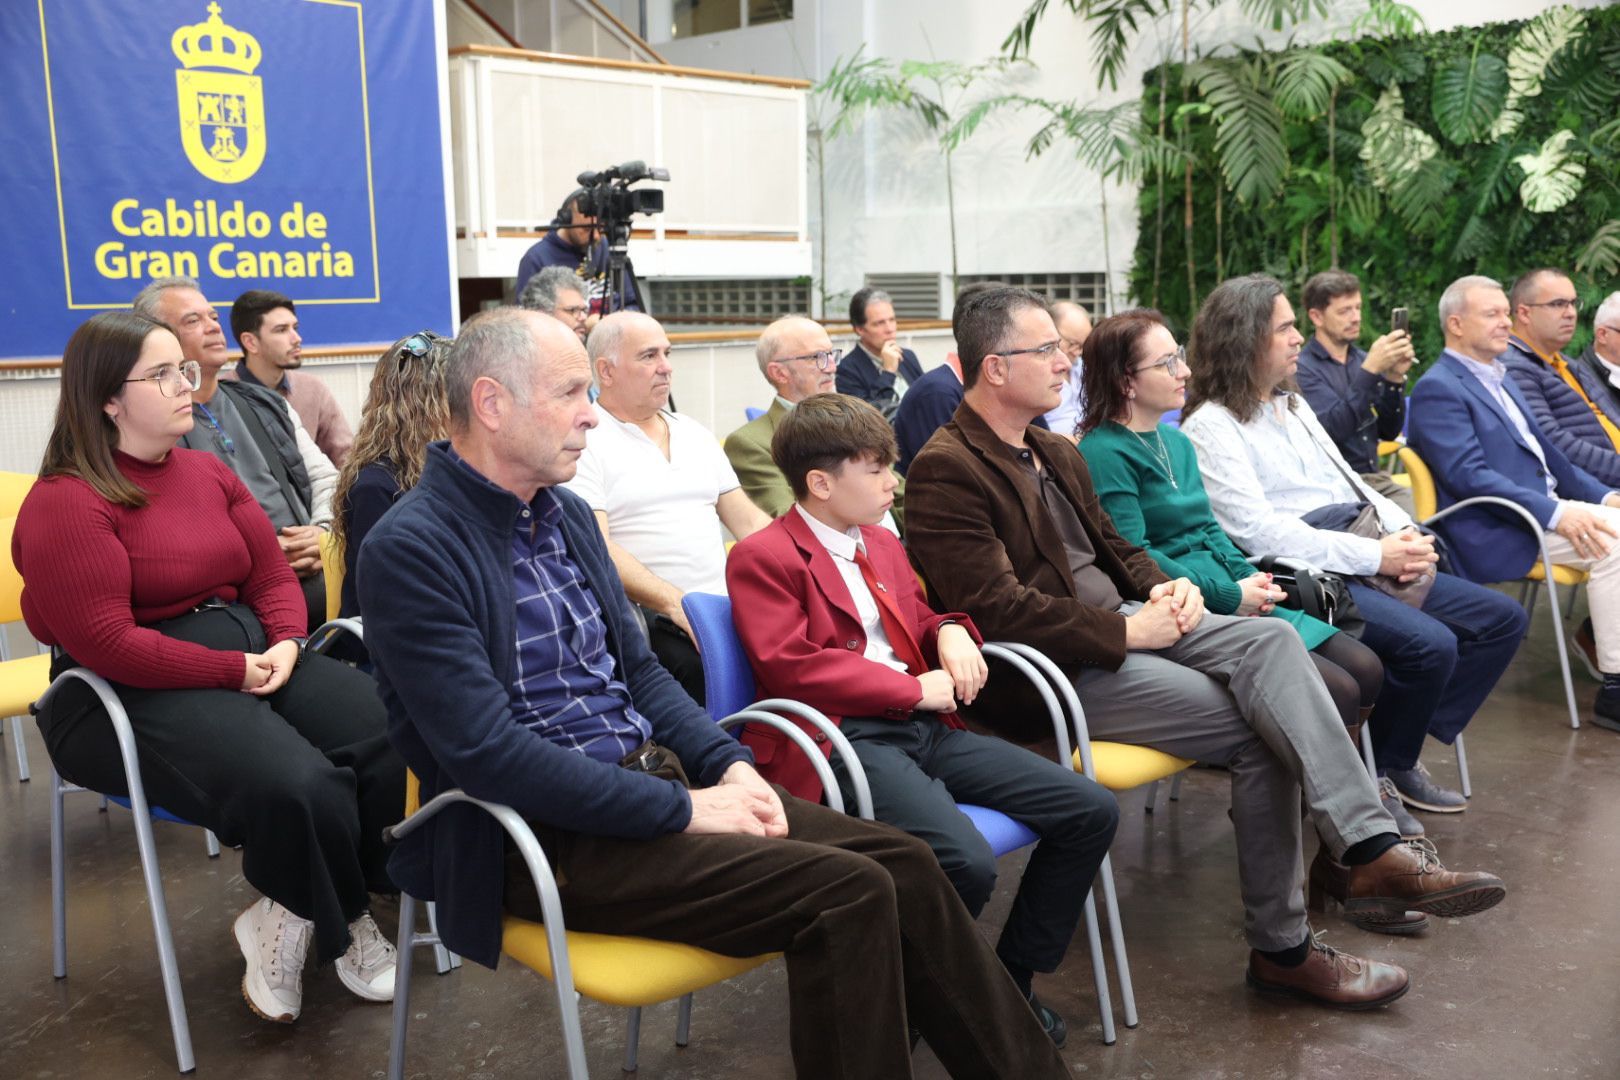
{"points": [[731, 300], [690, 18], [1090, 290]]}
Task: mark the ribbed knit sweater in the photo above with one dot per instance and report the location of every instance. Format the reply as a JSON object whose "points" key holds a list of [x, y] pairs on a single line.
{"points": [[96, 575]]}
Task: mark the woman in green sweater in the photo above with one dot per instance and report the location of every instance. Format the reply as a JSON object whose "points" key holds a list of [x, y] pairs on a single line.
{"points": [[1147, 478]]}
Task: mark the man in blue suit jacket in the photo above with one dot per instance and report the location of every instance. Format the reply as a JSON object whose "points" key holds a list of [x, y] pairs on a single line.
{"points": [[1476, 432], [877, 370]]}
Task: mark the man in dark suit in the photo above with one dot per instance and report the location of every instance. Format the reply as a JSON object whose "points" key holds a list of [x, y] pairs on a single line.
{"points": [[1005, 525], [877, 370], [1479, 436], [513, 668], [830, 613]]}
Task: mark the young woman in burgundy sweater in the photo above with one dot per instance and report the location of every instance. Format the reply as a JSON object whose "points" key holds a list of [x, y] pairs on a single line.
{"points": [[154, 567]]}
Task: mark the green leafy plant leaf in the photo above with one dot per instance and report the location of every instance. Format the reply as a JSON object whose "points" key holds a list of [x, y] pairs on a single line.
{"points": [[1248, 126], [1303, 81], [1552, 176], [1601, 255], [1468, 95], [1392, 146], [1533, 51]]}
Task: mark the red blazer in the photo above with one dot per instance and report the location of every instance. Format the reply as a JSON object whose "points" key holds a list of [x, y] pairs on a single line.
{"points": [[798, 625]]}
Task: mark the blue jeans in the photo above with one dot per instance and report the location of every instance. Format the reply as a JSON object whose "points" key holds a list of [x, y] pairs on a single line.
{"points": [[1440, 663]]}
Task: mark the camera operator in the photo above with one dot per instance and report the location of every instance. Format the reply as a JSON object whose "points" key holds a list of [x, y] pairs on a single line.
{"points": [[574, 241]]}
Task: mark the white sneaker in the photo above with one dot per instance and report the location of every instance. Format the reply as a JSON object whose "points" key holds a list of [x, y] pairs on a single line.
{"points": [[367, 969], [274, 941]]}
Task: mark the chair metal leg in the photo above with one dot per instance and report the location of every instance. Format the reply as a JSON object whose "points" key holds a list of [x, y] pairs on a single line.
{"points": [[1367, 752], [58, 881], [1175, 786], [402, 986], [632, 1038], [1528, 595], [211, 843], [1099, 971], [443, 959], [1152, 796], [1563, 657], [1116, 930], [167, 964], [683, 1021], [1462, 768], [21, 748]]}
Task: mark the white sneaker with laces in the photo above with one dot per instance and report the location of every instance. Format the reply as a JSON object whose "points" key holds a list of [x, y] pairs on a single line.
{"points": [[274, 942], [367, 968]]}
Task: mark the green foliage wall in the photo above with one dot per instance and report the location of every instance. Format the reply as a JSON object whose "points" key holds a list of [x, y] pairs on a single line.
{"points": [[1444, 181]]}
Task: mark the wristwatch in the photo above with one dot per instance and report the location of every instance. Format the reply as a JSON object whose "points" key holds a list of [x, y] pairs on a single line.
{"points": [[303, 643]]}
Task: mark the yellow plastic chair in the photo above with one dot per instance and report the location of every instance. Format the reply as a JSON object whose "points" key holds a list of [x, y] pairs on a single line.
{"points": [[1389, 448], [13, 490], [23, 680], [632, 972], [332, 572], [1426, 499]]}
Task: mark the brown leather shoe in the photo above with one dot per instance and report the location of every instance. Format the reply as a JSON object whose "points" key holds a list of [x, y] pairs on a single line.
{"points": [[1410, 876], [1330, 977], [1331, 878]]}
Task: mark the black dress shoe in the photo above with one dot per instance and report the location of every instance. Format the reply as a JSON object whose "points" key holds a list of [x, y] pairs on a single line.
{"points": [[1051, 1022], [1606, 709]]}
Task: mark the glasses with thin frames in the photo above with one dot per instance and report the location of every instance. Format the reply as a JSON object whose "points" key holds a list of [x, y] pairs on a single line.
{"points": [[1043, 351], [172, 381], [1170, 361], [825, 359], [1563, 303]]}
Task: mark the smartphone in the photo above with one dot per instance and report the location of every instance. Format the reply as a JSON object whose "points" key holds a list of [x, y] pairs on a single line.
{"points": [[1398, 320]]}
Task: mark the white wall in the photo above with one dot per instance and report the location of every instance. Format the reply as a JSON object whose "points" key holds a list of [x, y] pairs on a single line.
{"points": [[886, 191]]}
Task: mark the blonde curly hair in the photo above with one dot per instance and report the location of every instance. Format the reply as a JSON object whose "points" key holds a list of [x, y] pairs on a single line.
{"points": [[406, 408]]}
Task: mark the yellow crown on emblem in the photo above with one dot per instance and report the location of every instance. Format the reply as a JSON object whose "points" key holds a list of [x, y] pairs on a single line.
{"points": [[213, 44]]}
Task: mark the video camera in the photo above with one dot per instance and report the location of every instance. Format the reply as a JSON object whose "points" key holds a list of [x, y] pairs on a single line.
{"points": [[608, 197]]}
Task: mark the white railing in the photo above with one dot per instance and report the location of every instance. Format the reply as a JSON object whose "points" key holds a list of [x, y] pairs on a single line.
{"points": [[523, 125]]}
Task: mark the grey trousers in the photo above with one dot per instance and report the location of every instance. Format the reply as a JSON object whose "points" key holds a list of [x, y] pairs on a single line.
{"points": [[1242, 692], [1399, 494]]}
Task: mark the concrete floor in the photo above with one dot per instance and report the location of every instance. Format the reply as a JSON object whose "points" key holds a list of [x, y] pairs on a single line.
{"points": [[1531, 988]]}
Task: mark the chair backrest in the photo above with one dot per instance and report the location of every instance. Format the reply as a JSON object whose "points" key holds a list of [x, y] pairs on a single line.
{"points": [[332, 569], [728, 681], [753, 413], [1424, 498], [11, 582], [1171, 418], [13, 490]]}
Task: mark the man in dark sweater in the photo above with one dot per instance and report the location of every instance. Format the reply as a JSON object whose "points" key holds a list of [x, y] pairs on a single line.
{"points": [[513, 668], [573, 242]]}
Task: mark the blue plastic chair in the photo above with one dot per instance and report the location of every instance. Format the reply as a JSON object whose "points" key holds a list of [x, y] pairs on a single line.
{"points": [[1171, 418], [728, 684], [753, 413]]}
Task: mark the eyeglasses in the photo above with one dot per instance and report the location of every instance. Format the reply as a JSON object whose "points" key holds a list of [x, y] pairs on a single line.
{"points": [[1071, 347], [1561, 304], [826, 359], [575, 311], [172, 382], [1171, 362], [417, 345], [1044, 351]]}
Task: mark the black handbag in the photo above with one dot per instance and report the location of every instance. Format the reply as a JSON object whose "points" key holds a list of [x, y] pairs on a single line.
{"points": [[1317, 593]]}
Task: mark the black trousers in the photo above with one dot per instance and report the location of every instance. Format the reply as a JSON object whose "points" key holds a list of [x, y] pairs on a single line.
{"points": [[303, 779], [919, 769], [872, 931], [676, 652]]}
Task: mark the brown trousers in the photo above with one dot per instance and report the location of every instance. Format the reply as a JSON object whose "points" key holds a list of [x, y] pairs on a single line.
{"points": [[872, 930]]}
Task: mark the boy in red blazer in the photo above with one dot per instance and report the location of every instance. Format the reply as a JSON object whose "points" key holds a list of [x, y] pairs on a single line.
{"points": [[830, 612]]}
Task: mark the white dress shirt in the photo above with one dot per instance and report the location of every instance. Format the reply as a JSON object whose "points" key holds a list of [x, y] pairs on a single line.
{"points": [[1263, 476], [842, 547]]}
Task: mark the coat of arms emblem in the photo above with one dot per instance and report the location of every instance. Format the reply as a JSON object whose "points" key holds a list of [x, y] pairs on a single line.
{"points": [[221, 111]]}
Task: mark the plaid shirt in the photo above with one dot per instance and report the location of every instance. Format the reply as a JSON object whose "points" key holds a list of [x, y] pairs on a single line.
{"points": [[565, 689]]}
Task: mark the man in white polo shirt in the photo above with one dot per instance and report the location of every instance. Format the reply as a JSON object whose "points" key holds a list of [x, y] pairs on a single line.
{"points": [[660, 486]]}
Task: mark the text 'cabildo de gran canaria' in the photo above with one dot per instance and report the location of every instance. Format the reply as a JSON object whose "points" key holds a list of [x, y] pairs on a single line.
{"points": [[299, 249]]}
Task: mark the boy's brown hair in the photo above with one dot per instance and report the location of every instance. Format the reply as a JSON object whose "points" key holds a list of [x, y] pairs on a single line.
{"points": [[823, 432]]}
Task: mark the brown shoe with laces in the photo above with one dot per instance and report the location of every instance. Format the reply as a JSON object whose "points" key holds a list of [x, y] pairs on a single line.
{"points": [[1410, 876], [1330, 977], [1329, 878]]}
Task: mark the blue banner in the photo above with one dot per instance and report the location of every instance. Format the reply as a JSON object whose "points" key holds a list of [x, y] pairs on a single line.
{"points": [[291, 145]]}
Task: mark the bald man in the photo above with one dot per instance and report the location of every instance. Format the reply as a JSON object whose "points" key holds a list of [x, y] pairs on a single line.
{"points": [[1073, 327], [798, 359], [660, 487]]}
